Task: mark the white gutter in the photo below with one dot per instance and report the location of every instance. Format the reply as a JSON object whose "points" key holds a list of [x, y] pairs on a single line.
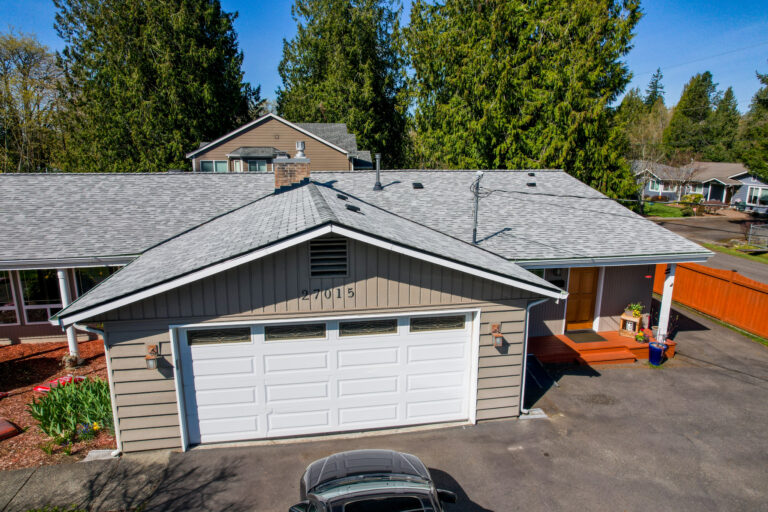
{"points": [[523, 410], [615, 261], [103, 335]]}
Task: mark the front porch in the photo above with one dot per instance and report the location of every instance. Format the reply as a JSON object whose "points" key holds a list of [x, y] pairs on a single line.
{"points": [[613, 349]]}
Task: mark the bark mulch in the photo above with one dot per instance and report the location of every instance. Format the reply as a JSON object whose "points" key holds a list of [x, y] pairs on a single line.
{"points": [[22, 367]]}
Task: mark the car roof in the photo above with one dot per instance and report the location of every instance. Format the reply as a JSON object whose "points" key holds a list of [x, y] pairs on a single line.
{"points": [[363, 462]]}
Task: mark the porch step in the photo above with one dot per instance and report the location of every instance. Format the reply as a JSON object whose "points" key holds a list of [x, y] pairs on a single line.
{"points": [[608, 356]]}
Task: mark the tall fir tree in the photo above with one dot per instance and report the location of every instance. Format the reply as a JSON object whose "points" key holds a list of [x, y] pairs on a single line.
{"points": [[752, 148], [346, 65], [688, 132], [723, 125], [146, 81], [516, 84], [655, 90]]}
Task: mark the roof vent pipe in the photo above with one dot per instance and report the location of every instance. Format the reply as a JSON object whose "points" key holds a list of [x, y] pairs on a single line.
{"points": [[378, 186]]}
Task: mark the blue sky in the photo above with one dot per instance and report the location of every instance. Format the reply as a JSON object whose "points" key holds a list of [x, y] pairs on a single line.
{"points": [[683, 37]]}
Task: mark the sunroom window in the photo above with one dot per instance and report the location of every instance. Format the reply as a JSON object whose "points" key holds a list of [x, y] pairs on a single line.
{"points": [[757, 196], [8, 313], [40, 297]]}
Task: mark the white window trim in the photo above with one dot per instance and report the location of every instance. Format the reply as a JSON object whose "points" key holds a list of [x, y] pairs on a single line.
{"points": [[666, 187], [696, 188], [653, 186], [247, 164], [15, 307], [213, 162], [759, 194], [25, 307]]}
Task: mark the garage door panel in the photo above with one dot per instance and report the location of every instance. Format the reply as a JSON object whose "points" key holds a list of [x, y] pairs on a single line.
{"points": [[228, 429], [226, 396], [226, 366], [436, 352], [295, 362], [368, 415], [431, 381], [224, 412], [353, 387], [434, 408], [297, 421], [355, 358], [302, 391], [223, 382]]}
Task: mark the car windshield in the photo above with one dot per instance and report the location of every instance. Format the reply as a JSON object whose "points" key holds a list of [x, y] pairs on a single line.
{"points": [[399, 503]]}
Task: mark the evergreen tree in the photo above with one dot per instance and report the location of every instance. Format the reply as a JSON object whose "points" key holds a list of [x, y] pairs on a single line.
{"points": [[146, 81], [688, 132], [655, 90], [722, 130], [516, 84], [753, 133], [345, 65]]}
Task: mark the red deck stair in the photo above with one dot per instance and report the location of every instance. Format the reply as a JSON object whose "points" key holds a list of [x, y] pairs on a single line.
{"points": [[614, 350]]}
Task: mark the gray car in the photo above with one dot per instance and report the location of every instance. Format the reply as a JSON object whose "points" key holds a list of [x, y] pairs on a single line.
{"points": [[370, 481]]}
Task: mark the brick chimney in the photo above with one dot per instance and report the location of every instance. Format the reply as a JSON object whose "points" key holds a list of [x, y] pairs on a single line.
{"points": [[290, 172]]}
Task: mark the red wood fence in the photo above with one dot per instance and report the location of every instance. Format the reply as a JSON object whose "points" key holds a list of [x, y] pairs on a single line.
{"points": [[723, 294]]}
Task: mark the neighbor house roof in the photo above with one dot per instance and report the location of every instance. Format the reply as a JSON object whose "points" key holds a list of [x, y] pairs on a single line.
{"points": [[560, 221], [701, 172], [293, 216], [338, 134]]}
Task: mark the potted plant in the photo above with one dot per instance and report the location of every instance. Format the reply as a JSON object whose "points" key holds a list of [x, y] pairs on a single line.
{"points": [[635, 308]]}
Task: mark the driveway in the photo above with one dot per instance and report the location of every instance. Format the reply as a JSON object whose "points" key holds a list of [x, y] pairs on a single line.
{"points": [[715, 230], [689, 436]]}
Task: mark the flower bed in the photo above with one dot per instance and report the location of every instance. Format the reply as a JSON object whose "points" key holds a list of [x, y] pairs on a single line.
{"points": [[22, 367]]}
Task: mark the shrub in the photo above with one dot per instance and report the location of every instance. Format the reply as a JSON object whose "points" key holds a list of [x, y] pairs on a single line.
{"points": [[692, 198], [687, 211], [67, 411]]}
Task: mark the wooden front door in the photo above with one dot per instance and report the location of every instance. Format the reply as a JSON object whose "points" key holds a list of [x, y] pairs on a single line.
{"points": [[582, 291]]}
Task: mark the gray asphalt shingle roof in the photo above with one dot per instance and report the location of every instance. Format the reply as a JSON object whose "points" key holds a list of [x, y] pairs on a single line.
{"points": [[91, 215], [275, 218]]}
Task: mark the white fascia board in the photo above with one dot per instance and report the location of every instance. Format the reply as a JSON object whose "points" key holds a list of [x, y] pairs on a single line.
{"points": [[190, 278], [742, 173], [714, 179], [257, 121], [447, 263], [615, 262], [104, 261]]}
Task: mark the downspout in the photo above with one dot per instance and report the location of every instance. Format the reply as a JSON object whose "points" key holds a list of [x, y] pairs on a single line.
{"points": [[523, 410], [99, 332]]}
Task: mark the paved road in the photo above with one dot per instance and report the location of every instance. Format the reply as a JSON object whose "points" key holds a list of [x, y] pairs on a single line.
{"points": [[714, 230], [689, 436]]}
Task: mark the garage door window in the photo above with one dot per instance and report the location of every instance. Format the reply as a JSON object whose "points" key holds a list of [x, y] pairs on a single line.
{"points": [[294, 332], [436, 323], [368, 327], [219, 336]]}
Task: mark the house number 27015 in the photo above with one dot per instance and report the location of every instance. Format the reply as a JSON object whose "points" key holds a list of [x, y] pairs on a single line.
{"points": [[327, 293]]}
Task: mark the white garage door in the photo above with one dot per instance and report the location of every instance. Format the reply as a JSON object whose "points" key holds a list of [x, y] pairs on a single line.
{"points": [[274, 380]]}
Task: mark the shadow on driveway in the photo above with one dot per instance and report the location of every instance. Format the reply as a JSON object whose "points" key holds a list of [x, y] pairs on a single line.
{"points": [[445, 481]]}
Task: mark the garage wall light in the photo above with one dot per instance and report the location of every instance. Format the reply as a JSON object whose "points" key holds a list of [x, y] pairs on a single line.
{"points": [[498, 338], [151, 357]]}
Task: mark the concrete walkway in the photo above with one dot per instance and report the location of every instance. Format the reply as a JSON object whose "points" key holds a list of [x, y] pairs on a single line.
{"points": [[689, 436]]}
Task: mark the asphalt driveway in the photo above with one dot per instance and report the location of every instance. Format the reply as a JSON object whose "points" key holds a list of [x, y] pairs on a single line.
{"points": [[689, 436]]}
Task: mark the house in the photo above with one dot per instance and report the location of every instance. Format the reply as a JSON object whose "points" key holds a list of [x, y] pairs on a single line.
{"points": [[269, 305], [254, 146], [719, 182]]}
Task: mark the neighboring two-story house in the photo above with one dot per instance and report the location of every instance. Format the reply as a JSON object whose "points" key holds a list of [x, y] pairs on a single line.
{"points": [[718, 182], [254, 146]]}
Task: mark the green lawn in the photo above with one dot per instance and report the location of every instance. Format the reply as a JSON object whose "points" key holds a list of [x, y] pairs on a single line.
{"points": [[762, 258], [661, 210]]}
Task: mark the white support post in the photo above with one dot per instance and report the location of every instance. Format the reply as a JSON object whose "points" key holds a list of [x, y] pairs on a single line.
{"points": [[666, 302], [66, 299]]}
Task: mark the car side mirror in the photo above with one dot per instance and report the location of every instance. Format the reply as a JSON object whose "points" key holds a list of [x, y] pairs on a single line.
{"points": [[300, 507], [446, 496]]}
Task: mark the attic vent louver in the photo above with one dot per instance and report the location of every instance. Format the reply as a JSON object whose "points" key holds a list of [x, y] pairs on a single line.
{"points": [[417, 185], [328, 257], [352, 208], [531, 184]]}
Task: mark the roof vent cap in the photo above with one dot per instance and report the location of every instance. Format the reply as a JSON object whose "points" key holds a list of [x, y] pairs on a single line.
{"points": [[531, 184], [300, 149], [417, 185], [352, 208], [531, 174], [342, 197]]}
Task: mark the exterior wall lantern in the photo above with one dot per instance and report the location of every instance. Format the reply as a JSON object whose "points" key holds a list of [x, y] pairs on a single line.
{"points": [[498, 338], [151, 357]]}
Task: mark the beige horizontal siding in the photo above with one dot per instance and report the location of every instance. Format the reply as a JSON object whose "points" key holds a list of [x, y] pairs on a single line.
{"points": [[382, 282], [275, 134]]}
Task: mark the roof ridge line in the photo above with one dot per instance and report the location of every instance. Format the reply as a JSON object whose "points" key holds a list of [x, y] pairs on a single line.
{"points": [[323, 208]]}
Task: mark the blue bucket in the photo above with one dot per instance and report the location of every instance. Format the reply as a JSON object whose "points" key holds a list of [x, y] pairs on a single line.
{"points": [[656, 353]]}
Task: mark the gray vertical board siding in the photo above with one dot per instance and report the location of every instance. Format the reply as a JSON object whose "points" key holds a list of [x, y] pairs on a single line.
{"points": [[621, 286], [271, 288]]}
